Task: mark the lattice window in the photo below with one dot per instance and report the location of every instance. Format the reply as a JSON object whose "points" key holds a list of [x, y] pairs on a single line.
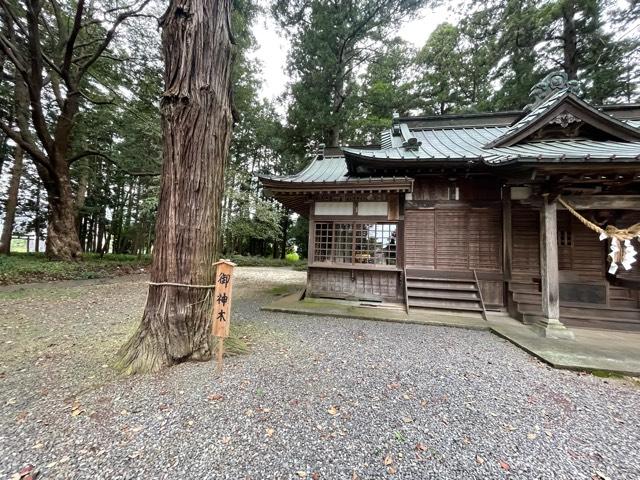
{"points": [[343, 242], [356, 243], [323, 242], [565, 239]]}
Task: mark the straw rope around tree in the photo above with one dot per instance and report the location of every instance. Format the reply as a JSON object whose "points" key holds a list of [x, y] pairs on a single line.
{"points": [[621, 249]]}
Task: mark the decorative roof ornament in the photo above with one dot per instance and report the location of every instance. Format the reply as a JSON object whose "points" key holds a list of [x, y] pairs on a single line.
{"points": [[564, 119], [395, 123], [552, 83]]}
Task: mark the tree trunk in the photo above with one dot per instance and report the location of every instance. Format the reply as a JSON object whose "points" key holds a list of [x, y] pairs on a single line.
{"points": [[285, 221], [81, 193], [570, 40], [12, 203], [196, 123], [37, 218], [62, 237]]}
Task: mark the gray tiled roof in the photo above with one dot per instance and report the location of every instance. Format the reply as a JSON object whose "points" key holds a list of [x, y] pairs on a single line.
{"points": [[469, 143], [327, 170]]}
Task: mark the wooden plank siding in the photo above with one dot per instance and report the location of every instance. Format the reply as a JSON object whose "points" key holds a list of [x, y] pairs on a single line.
{"points": [[454, 239], [525, 230], [371, 285]]}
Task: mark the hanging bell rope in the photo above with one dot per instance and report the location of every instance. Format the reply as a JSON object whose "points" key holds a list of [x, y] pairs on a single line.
{"points": [[621, 250]]}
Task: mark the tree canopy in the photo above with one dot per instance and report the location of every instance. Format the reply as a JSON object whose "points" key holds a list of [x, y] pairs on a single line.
{"points": [[80, 85]]}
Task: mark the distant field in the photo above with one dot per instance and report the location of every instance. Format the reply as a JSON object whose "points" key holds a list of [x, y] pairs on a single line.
{"points": [[18, 245]]}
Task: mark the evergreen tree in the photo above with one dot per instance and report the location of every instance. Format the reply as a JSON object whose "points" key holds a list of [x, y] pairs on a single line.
{"points": [[330, 42]]}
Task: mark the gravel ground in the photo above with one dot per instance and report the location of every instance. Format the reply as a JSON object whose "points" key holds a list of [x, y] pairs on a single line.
{"points": [[317, 398]]}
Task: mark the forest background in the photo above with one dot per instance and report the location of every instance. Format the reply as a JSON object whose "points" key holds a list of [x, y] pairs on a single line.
{"points": [[348, 70]]}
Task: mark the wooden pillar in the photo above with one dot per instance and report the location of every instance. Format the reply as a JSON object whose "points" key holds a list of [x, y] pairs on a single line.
{"points": [[507, 249], [549, 323]]}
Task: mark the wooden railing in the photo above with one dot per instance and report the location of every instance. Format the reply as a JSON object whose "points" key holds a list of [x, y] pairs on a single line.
{"points": [[484, 310], [406, 289]]}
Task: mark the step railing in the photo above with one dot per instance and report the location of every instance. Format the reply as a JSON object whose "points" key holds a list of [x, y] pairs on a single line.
{"points": [[484, 310], [406, 289]]}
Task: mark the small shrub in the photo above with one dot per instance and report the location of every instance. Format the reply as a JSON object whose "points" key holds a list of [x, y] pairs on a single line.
{"points": [[292, 257]]}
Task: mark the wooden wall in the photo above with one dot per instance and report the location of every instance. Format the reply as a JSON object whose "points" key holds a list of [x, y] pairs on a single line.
{"points": [[449, 237], [437, 188], [373, 285], [454, 238]]}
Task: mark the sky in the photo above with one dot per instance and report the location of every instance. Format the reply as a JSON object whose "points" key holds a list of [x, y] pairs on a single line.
{"points": [[273, 46]]}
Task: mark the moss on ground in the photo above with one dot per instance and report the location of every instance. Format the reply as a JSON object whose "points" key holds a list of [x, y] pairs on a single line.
{"points": [[35, 267]]}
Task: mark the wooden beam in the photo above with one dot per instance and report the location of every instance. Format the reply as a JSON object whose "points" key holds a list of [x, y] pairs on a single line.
{"points": [[593, 202]]}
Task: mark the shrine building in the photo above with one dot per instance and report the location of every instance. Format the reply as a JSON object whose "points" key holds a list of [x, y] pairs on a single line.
{"points": [[532, 213]]}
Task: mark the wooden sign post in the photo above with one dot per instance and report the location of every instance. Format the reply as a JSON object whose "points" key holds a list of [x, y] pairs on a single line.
{"points": [[222, 305]]}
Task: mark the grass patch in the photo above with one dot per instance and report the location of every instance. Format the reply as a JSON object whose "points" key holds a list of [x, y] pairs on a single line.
{"points": [[605, 374], [239, 340], [284, 289], [255, 261], [35, 267]]}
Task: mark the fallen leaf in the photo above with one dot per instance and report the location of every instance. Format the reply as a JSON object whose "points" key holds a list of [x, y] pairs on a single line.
{"points": [[333, 410], [388, 460], [532, 436], [393, 386], [301, 474], [406, 397], [354, 476], [215, 397], [26, 470], [391, 470], [421, 447], [407, 419], [270, 432], [599, 476], [504, 465], [315, 476], [479, 460], [226, 440]]}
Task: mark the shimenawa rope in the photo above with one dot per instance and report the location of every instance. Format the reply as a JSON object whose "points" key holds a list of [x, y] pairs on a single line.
{"points": [[621, 249], [173, 284], [611, 231]]}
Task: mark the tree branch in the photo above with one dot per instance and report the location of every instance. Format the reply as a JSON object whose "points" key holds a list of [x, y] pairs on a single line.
{"points": [[70, 43], [93, 153], [36, 153], [110, 34]]}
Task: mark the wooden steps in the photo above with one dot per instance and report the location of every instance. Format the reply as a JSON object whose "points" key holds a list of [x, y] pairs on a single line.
{"points": [[445, 294]]}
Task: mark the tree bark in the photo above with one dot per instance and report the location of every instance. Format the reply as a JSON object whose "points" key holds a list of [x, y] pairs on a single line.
{"points": [[63, 242], [12, 203], [196, 122], [36, 210], [570, 40]]}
